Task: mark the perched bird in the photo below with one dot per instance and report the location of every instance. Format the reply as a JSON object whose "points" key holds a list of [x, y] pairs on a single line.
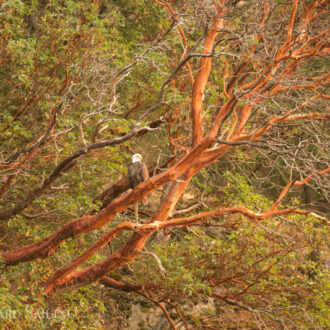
{"points": [[137, 173]]}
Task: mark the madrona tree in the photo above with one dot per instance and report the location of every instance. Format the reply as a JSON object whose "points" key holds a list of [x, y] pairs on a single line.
{"points": [[233, 92]]}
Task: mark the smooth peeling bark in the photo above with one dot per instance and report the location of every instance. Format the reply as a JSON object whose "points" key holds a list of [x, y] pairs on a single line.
{"points": [[174, 222], [87, 224], [123, 185], [92, 250], [202, 78], [168, 204], [163, 213], [65, 278], [64, 166], [134, 245], [124, 255]]}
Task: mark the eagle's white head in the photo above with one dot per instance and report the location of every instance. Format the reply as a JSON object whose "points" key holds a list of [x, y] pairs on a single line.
{"points": [[136, 158]]}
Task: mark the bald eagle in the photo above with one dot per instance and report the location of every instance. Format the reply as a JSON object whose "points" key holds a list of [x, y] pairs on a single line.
{"points": [[137, 173]]}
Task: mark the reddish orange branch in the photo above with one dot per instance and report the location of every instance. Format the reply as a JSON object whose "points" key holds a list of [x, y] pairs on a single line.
{"points": [[87, 224], [203, 75], [63, 272], [295, 184], [231, 210], [308, 178]]}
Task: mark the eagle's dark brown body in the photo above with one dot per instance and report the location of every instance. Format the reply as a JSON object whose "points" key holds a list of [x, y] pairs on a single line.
{"points": [[137, 173]]}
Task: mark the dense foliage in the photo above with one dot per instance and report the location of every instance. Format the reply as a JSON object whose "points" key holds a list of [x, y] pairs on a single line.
{"points": [[85, 84]]}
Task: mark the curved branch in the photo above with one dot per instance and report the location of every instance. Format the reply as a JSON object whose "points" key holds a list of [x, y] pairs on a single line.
{"points": [[127, 287], [63, 272], [87, 224], [141, 233], [122, 185], [66, 164], [203, 75], [231, 210]]}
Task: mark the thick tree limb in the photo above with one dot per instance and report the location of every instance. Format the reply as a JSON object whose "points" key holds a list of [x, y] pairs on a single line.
{"points": [[122, 185], [89, 223], [203, 75], [66, 164], [142, 232]]}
